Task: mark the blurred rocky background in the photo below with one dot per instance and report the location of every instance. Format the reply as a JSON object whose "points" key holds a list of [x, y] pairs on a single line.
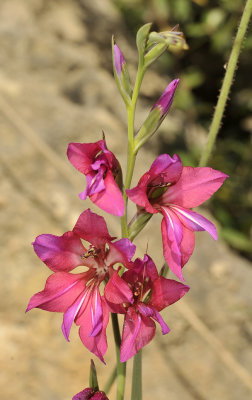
{"points": [[56, 86]]}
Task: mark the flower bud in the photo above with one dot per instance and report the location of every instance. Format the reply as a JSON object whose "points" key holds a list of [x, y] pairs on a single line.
{"points": [[158, 42], [121, 73], [165, 100], [90, 394], [156, 115], [170, 38]]}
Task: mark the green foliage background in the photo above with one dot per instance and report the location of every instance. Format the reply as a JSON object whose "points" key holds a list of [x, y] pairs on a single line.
{"points": [[209, 28]]}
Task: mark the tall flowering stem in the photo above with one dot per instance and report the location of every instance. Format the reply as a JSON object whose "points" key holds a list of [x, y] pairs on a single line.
{"points": [[227, 82], [121, 367]]}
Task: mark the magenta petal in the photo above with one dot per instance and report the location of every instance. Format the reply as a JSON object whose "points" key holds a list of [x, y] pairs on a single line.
{"points": [[81, 155], [139, 194], [165, 169], [111, 198], [85, 394], [187, 245], [195, 221], [96, 344], [60, 292], [117, 291], [121, 252], [151, 312], [146, 268], [195, 186], [99, 396], [172, 236], [119, 59], [96, 312], [92, 228], [166, 292], [70, 314], [138, 331], [59, 253]]}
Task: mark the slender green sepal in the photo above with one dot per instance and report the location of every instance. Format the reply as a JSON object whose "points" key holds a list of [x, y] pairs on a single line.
{"points": [[137, 224], [93, 381], [164, 270], [154, 53], [142, 38], [148, 128], [136, 390]]}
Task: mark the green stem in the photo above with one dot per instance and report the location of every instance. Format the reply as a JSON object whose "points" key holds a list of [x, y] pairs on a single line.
{"points": [[131, 158], [110, 381], [121, 367], [227, 82], [136, 390]]}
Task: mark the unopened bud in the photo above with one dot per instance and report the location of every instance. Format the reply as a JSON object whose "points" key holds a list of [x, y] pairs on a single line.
{"points": [[121, 73], [156, 115]]}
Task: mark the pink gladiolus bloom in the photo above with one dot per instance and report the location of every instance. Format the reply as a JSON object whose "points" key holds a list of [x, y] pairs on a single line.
{"points": [[90, 394], [170, 189], [141, 294], [101, 169], [78, 295]]}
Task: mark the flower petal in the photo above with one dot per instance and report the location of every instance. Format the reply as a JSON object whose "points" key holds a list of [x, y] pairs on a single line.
{"points": [[172, 234], [59, 253], [110, 199], [165, 169], [139, 194], [195, 186], [92, 228], [117, 292], [60, 292], [97, 344], [70, 315], [195, 221], [149, 311], [85, 394], [122, 252], [138, 331], [166, 292], [187, 245], [81, 155]]}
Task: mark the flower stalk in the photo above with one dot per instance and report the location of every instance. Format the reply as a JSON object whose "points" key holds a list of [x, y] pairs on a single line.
{"points": [[227, 82], [121, 367]]}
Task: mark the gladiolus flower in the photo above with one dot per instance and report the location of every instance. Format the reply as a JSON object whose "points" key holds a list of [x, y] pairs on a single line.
{"points": [[170, 189], [102, 171], [141, 294], [90, 394], [78, 295]]}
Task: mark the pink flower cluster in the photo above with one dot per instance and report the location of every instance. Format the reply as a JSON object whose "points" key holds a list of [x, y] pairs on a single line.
{"points": [[138, 291]]}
